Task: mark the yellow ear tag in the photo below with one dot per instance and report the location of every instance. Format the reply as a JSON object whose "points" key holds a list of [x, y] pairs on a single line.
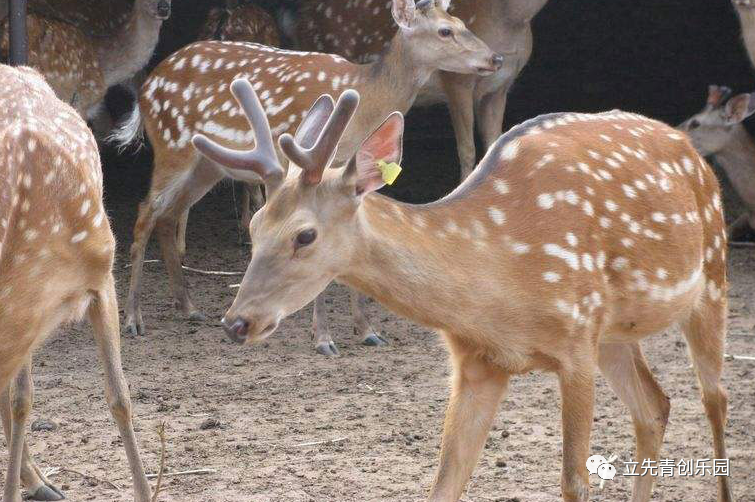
{"points": [[389, 171]]}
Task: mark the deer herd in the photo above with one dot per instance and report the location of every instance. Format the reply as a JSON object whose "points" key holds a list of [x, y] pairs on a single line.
{"points": [[582, 233]]}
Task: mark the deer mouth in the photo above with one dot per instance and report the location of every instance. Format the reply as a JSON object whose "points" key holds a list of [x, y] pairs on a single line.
{"points": [[485, 71]]}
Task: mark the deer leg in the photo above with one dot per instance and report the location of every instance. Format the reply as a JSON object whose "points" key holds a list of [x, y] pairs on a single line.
{"points": [[166, 230], [490, 110], [32, 478], [577, 398], [145, 222], [252, 199], [362, 326], [460, 92], [477, 387], [103, 313], [627, 372], [183, 221], [323, 342], [705, 331], [19, 394]]}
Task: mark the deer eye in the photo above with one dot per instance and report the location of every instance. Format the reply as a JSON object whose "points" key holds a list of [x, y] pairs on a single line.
{"points": [[305, 238], [445, 32], [694, 124]]}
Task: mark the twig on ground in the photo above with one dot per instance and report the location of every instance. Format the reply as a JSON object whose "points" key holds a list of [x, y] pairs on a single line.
{"points": [[55, 470], [325, 441], [158, 485], [234, 286], [222, 273], [184, 473], [730, 357]]}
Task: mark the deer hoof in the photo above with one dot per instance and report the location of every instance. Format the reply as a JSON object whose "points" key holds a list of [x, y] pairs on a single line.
{"points": [[374, 340], [327, 349], [133, 329], [46, 492]]}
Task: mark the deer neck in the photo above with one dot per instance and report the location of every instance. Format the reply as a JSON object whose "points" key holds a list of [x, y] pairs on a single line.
{"points": [[127, 51], [393, 81], [737, 158], [404, 259]]}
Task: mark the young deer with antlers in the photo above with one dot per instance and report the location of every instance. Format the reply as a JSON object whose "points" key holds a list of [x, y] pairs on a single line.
{"points": [[576, 237], [717, 131], [361, 31], [56, 258], [189, 93]]}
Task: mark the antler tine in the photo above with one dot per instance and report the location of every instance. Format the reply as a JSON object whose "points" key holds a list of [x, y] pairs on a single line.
{"points": [[313, 161], [263, 159]]}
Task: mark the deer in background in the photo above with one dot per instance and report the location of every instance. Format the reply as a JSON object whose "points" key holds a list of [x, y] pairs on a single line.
{"points": [[717, 131], [360, 31], [97, 18], [56, 259], [189, 93], [746, 13], [575, 237], [241, 22], [81, 68]]}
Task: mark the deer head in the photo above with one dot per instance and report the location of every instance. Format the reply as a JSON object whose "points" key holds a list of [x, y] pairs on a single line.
{"points": [[303, 236], [442, 40], [159, 9], [711, 128]]}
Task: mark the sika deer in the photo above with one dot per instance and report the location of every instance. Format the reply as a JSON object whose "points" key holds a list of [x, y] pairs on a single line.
{"points": [[241, 23], [717, 131], [360, 31], [81, 68], [188, 93], [575, 237], [56, 259]]}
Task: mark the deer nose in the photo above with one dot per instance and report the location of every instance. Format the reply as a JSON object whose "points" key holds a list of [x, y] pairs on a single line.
{"points": [[237, 330], [163, 9], [497, 60]]}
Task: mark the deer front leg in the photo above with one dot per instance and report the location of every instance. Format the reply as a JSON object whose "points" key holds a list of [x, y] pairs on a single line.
{"points": [[577, 397], [145, 223], [323, 342], [477, 389], [460, 92], [19, 394], [362, 326], [490, 111], [38, 486]]}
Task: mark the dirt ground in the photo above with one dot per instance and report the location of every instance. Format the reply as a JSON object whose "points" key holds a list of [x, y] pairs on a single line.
{"points": [[378, 411]]}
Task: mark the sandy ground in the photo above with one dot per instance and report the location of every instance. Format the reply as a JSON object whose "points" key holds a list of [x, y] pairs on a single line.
{"points": [[381, 409]]}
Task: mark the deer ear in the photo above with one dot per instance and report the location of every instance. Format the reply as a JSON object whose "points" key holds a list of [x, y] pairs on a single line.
{"points": [[404, 13], [384, 144], [739, 108], [314, 121]]}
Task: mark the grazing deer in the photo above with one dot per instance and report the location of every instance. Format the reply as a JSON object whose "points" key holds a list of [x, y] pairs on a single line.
{"points": [[81, 68], [361, 31], [189, 93], [241, 22], [56, 259], [576, 236], [746, 12], [717, 131]]}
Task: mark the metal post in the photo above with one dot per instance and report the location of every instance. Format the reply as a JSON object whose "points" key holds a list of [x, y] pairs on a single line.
{"points": [[19, 42]]}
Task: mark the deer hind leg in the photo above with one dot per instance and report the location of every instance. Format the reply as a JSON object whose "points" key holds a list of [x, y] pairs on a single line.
{"points": [[145, 223], [577, 399], [17, 399], [705, 331], [103, 313], [460, 92], [194, 187], [362, 325], [477, 387], [627, 372], [183, 222], [32, 478], [251, 201]]}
